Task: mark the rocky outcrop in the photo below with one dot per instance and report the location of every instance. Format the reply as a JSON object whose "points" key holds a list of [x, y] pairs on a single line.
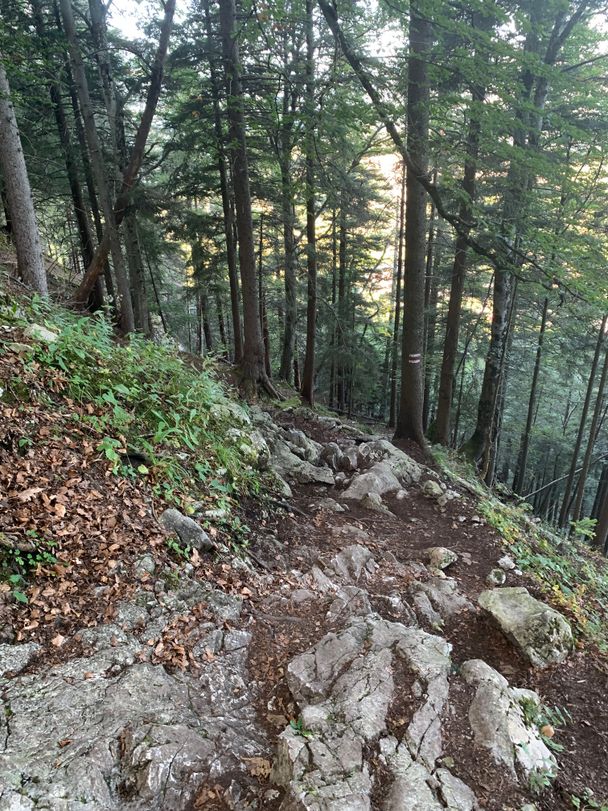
{"points": [[498, 722], [189, 533], [378, 480], [542, 634], [111, 729]]}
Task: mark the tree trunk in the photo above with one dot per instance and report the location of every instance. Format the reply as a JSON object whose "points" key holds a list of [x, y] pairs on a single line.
{"points": [[289, 244], [252, 366], [409, 420], [262, 298], [137, 154], [127, 322], [137, 275], [441, 428], [565, 509], [593, 432], [24, 228], [231, 253], [308, 375], [431, 293], [392, 414], [522, 459]]}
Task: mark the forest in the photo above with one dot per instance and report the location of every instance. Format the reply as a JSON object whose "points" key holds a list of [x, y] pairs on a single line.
{"points": [[392, 210]]}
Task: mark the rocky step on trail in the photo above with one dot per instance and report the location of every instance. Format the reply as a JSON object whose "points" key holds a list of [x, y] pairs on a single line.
{"points": [[369, 661]]}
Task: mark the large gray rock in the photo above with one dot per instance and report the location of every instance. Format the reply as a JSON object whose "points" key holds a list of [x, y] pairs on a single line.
{"points": [[290, 466], [344, 686], [111, 731], [499, 724], [402, 465], [542, 634], [378, 480], [187, 530]]}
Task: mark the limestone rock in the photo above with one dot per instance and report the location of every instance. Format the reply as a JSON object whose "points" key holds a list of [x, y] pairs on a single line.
{"points": [[14, 658], [291, 467], [402, 465], [432, 489], [372, 501], [378, 480], [440, 557], [497, 577], [187, 530], [542, 634], [39, 333], [499, 725]]}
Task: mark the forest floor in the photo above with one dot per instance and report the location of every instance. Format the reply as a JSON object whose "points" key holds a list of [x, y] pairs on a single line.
{"points": [[57, 484]]}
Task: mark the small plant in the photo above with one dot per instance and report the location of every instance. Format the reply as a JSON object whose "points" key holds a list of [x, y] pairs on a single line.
{"points": [[587, 802], [299, 729], [584, 529]]}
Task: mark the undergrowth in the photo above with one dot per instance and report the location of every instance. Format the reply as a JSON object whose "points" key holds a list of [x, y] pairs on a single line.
{"points": [[570, 572], [150, 414]]}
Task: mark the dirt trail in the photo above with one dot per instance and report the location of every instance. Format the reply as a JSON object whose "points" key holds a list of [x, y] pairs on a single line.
{"points": [[579, 685]]}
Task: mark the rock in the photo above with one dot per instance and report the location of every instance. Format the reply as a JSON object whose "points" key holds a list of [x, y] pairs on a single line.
{"points": [[426, 612], [291, 467], [432, 489], [379, 479], [331, 455], [39, 333], [327, 504], [303, 445], [444, 595], [439, 557], [349, 460], [146, 565], [352, 564], [497, 577], [542, 634], [14, 658], [372, 501], [96, 730], [363, 454], [188, 531], [402, 465], [498, 722], [19, 348], [507, 563]]}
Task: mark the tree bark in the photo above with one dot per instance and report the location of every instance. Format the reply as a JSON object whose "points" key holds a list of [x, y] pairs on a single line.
{"points": [[252, 366], [593, 432], [127, 322], [441, 428], [308, 375], [231, 252], [565, 508], [24, 228], [522, 459], [409, 421], [137, 153], [392, 414]]}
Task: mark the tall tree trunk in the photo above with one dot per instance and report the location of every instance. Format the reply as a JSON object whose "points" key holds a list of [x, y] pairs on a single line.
{"points": [[231, 252], [308, 375], [431, 293], [67, 148], [262, 298], [392, 414], [127, 321], [593, 432], [409, 420], [137, 154], [137, 274], [441, 428], [24, 227], [565, 508], [342, 307], [285, 147], [522, 459], [252, 364]]}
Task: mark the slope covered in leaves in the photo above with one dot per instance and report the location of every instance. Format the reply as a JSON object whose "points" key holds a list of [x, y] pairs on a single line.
{"points": [[96, 438]]}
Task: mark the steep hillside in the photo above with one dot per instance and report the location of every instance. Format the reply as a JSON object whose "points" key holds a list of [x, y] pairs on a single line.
{"points": [[205, 605]]}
